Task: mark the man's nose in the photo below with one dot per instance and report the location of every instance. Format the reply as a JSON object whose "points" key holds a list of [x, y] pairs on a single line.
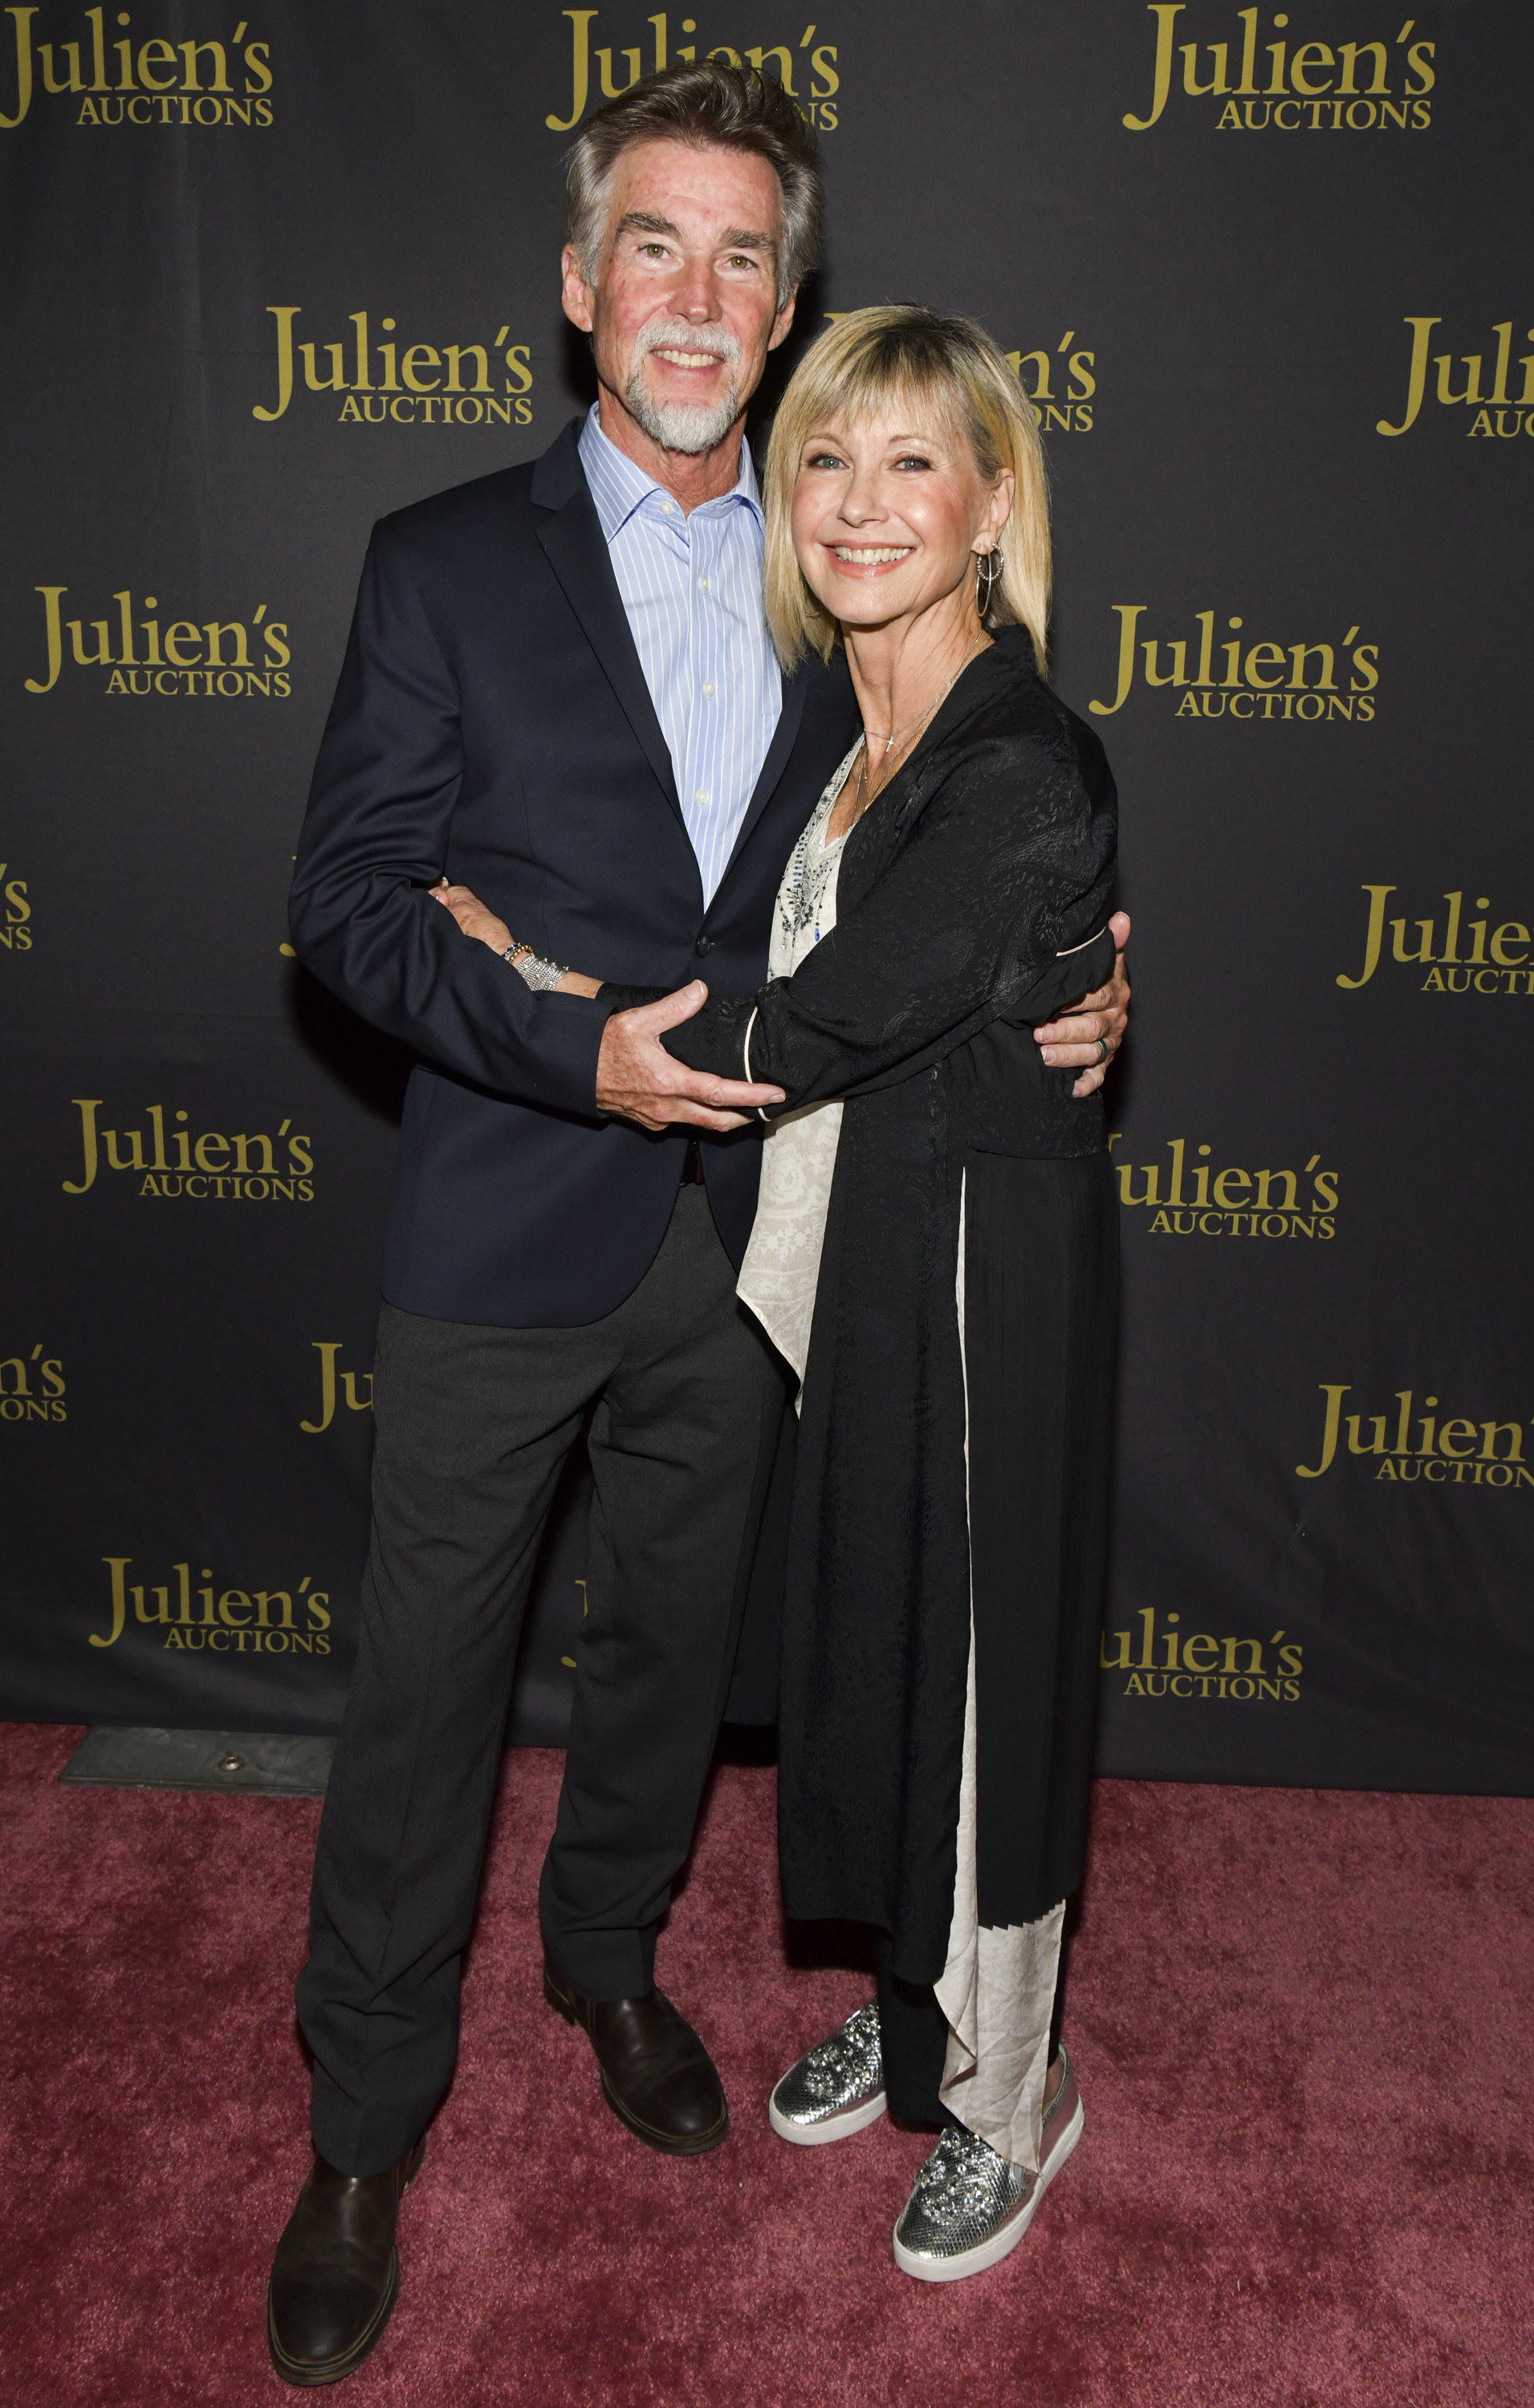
{"points": [[697, 294]]}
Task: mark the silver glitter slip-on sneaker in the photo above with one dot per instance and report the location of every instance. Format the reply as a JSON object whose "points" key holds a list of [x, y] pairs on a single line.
{"points": [[970, 2207], [836, 2088]]}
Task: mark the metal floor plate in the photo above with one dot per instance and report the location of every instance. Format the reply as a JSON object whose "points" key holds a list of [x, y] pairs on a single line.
{"points": [[274, 1764]]}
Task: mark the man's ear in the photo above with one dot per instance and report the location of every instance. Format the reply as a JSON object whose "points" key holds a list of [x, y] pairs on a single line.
{"points": [[782, 322], [576, 295]]}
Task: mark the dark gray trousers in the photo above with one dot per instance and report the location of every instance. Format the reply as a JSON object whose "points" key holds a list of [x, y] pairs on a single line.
{"points": [[473, 1425]]}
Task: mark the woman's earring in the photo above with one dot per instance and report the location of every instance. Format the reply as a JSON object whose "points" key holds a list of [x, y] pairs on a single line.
{"points": [[988, 568]]}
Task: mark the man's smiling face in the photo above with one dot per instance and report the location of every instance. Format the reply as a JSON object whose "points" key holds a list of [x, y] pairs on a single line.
{"points": [[685, 308]]}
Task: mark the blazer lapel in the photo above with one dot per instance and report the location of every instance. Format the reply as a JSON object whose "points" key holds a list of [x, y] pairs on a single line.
{"points": [[778, 755], [577, 552]]}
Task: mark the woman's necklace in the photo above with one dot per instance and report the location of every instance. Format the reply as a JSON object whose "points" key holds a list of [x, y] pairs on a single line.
{"points": [[912, 725]]}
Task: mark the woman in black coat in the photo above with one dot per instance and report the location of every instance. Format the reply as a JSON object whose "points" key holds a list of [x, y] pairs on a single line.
{"points": [[946, 1557], [935, 1254]]}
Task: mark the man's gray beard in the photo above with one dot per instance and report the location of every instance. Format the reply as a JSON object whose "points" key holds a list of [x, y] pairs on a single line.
{"points": [[689, 426]]}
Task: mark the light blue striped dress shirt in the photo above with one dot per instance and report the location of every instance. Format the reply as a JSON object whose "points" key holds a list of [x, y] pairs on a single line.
{"points": [[692, 586]]}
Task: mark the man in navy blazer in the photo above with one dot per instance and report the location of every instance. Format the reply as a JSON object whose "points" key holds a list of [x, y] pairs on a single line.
{"points": [[493, 722], [532, 664]]}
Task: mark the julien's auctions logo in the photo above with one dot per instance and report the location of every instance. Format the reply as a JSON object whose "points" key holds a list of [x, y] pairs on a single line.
{"points": [[205, 1165], [398, 383], [1494, 960], [811, 59], [1411, 1442], [144, 653], [1235, 679], [1171, 1663], [1206, 1198], [15, 924], [1059, 388], [1292, 87], [1497, 410], [33, 1387], [352, 1387], [139, 82], [292, 1621], [1066, 408]]}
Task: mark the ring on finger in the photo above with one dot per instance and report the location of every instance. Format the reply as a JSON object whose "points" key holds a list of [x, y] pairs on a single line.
{"points": [[1102, 1050]]}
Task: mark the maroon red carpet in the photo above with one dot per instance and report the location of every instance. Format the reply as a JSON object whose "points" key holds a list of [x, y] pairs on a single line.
{"points": [[1303, 2025]]}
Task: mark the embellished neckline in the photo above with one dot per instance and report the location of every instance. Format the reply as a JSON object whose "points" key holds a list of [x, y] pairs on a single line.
{"points": [[812, 861]]}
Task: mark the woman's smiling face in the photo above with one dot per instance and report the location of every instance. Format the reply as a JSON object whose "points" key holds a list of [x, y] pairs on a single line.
{"points": [[888, 512]]}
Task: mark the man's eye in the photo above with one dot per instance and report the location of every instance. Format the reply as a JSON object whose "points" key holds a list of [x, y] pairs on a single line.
{"points": [[741, 259], [653, 250]]}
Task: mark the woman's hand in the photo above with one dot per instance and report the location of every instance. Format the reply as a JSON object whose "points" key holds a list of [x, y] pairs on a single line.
{"points": [[1091, 1033], [477, 919]]}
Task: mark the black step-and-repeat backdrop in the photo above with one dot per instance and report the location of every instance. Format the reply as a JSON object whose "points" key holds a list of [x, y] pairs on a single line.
{"points": [[1265, 276]]}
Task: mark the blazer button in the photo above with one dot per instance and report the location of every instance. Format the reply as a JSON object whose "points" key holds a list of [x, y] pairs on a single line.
{"points": [[704, 945]]}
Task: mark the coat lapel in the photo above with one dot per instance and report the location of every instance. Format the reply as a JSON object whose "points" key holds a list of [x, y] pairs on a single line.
{"points": [[777, 756], [572, 541], [577, 552]]}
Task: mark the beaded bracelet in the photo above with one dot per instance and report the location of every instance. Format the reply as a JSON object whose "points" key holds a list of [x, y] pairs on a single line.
{"points": [[538, 973]]}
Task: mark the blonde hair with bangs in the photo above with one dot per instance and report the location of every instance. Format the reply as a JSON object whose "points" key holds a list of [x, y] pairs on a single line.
{"points": [[865, 364]]}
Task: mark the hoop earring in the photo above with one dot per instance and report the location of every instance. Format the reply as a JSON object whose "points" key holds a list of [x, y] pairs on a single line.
{"points": [[988, 568]]}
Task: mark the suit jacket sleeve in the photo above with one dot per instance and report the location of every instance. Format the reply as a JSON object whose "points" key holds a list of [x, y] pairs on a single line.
{"points": [[985, 909], [375, 837]]}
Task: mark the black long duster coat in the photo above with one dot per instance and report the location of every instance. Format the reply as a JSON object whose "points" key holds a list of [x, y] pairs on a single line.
{"points": [[969, 896]]}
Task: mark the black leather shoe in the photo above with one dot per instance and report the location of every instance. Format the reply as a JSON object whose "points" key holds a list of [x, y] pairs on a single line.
{"points": [[657, 2077], [335, 2275]]}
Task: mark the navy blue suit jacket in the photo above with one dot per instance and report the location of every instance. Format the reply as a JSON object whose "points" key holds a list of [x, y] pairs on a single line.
{"points": [[493, 720]]}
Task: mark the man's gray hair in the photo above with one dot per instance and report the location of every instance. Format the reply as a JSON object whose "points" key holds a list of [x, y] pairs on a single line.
{"points": [[737, 108]]}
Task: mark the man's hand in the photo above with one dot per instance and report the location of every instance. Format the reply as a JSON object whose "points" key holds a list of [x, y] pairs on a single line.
{"points": [[1087, 1039], [639, 1080]]}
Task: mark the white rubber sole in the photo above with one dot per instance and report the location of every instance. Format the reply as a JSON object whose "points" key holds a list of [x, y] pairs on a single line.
{"points": [[835, 2128], [1002, 2243]]}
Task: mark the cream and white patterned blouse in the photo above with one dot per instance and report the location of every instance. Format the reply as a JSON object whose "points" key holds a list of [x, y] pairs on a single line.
{"points": [[781, 1267]]}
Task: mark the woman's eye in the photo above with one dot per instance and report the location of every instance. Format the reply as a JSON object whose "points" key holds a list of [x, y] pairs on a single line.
{"points": [[824, 460], [912, 460]]}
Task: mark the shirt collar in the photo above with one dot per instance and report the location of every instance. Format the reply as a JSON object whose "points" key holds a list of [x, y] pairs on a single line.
{"points": [[619, 486]]}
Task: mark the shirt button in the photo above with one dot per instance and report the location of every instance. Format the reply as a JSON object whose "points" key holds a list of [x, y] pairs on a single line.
{"points": [[708, 689], [703, 582], [701, 795]]}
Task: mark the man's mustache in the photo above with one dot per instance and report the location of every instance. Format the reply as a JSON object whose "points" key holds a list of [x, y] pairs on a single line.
{"points": [[675, 334]]}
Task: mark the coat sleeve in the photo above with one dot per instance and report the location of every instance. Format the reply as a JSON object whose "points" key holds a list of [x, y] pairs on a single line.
{"points": [[986, 909], [375, 837]]}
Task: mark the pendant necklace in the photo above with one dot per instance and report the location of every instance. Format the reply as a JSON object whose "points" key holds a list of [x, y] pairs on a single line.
{"points": [[930, 712]]}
